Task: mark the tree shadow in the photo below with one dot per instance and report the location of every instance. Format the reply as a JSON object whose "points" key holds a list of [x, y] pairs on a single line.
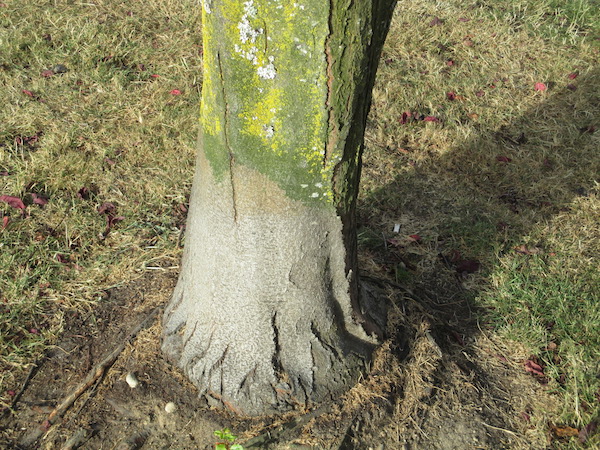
{"points": [[457, 211]]}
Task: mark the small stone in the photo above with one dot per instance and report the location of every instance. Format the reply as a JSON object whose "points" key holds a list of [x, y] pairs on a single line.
{"points": [[170, 407], [131, 380]]}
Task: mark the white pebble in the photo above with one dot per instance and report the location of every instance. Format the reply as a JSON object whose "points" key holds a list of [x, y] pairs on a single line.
{"points": [[132, 381], [170, 407]]}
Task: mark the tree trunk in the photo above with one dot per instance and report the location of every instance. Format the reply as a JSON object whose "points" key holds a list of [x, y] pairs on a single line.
{"points": [[266, 314]]}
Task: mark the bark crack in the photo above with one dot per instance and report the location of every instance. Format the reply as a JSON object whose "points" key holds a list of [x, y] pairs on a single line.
{"points": [[333, 132], [226, 137], [275, 359], [324, 344], [251, 373]]}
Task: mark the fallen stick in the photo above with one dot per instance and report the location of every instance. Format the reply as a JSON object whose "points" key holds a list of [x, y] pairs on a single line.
{"points": [[95, 374]]}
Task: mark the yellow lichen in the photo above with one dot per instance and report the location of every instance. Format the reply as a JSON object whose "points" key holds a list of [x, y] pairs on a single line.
{"points": [[210, 120]]}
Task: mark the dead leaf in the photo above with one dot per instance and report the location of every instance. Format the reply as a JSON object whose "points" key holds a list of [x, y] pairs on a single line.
{"points": [[540, 87], [431, 119], [588, 431], [534, 368], [436, 21], [106, 208], [83, 193], [504, 159], [14, 202], [406, 115], [38, 199], [47, 73], [573, 75], [5, 221], [563, 432], [524, 250]]}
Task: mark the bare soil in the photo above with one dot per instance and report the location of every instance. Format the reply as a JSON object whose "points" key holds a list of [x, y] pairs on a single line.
{"points": [[440, 381]]}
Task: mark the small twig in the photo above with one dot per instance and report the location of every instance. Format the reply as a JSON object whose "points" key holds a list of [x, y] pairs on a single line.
{"points": [[30, 375], [93, 376], [499, 429]]}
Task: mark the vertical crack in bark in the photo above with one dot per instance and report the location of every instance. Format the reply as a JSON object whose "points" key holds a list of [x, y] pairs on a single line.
{"points": [[275, 359], [218, 365], [332, 128], [317, 334], [226, 137], [247, 378], [201, 354], [190, 336]]}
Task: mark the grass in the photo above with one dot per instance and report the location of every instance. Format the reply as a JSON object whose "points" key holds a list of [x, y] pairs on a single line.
{"points": [[504, 167], [106, 130]]}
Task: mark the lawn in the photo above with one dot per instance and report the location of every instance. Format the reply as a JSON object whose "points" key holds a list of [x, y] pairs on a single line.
{"points": [[480, 181]]}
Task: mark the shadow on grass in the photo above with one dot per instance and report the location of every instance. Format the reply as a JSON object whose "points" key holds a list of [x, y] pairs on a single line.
{"points": [[467, 206]]}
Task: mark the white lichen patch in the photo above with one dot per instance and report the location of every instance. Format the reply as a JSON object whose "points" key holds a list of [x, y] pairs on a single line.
{"points": [[268, 72], [247, 32], [269, 131], [248, 37]]}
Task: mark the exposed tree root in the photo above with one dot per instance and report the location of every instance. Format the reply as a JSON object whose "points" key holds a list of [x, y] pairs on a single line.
{"points": [[90, 380]]}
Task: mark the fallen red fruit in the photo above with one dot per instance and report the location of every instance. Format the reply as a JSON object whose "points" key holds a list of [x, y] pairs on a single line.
{"points": [[175, 92], [540, 87]]}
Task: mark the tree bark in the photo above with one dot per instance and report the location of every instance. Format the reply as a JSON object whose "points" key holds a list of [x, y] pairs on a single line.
{"points": [[267, 314]]}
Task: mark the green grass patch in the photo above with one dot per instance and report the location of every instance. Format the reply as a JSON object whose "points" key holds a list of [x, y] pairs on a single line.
{"points": [[484, 142], [89, 117]]}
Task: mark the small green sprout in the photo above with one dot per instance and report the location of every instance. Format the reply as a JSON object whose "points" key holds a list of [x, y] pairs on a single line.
{"points": [[227, 440]]}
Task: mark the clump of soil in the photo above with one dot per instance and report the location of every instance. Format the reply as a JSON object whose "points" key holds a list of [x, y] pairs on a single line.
{"points": [[435, 383]]}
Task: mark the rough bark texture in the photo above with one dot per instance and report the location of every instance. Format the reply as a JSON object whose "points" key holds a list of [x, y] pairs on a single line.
{"points": [[266, 314]]}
